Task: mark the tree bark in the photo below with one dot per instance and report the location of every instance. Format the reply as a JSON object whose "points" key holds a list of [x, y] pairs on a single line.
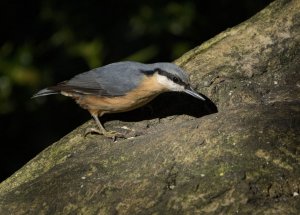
{"points": [[242, 159]]}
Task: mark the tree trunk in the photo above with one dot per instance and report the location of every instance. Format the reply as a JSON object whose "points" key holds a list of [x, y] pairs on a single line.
{"points": [[242, 159]]}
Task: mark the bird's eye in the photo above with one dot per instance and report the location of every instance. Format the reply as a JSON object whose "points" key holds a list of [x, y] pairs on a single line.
{"points": [[175, 80]]}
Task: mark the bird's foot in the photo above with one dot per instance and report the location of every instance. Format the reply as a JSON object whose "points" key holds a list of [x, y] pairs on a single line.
{"points": [[113, 134], [109, 134]]}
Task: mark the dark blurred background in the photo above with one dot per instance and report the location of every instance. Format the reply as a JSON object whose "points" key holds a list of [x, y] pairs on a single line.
{"points": [[47, 41]]}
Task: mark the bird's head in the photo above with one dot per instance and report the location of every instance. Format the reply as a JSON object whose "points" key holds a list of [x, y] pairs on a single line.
{"points": [[174, 78]]}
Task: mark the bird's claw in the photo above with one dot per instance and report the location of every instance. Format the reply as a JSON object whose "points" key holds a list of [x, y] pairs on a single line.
{"points": [[109, 134]]}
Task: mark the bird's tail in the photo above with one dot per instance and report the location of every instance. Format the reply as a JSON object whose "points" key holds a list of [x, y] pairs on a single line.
{"points": [[46, 92]]}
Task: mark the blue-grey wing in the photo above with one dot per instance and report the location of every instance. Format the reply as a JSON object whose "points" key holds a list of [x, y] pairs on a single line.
{"points": [[111, 80]]}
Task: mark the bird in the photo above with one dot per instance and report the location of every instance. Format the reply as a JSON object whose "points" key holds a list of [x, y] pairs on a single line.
{"points": [[121, 87]]}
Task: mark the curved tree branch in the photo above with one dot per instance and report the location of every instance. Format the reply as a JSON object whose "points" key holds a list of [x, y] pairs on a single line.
{"points": [[245, 158]]}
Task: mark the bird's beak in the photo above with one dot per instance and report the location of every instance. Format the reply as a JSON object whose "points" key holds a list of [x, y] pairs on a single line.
{"points": [[193, 93]]}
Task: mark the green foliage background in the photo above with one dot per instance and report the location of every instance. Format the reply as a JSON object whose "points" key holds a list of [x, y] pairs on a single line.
{"points": [[48, 41]]}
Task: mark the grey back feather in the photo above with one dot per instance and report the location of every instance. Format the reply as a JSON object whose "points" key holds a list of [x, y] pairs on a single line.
{"points": [[111, 80]]}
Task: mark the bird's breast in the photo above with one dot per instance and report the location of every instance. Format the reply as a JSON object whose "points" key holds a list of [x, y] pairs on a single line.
{"points": [[144, 93]]}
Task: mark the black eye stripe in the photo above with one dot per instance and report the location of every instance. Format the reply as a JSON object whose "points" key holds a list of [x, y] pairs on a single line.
{"points": [[171, 77], [175, 79]]}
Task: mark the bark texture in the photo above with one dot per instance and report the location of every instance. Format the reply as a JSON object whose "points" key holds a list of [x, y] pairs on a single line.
{"points": [[242, 159]]}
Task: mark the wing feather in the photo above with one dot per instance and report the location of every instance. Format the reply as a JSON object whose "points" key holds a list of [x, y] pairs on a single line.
{"points": [[111, 80]]}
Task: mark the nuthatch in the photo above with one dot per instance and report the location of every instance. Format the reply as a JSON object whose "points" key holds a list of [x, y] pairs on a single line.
{"points": [[120, 87]]}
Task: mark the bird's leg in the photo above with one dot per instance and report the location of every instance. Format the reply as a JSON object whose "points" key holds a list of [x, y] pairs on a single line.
{"points": [[99, 124], [101, 129]]}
